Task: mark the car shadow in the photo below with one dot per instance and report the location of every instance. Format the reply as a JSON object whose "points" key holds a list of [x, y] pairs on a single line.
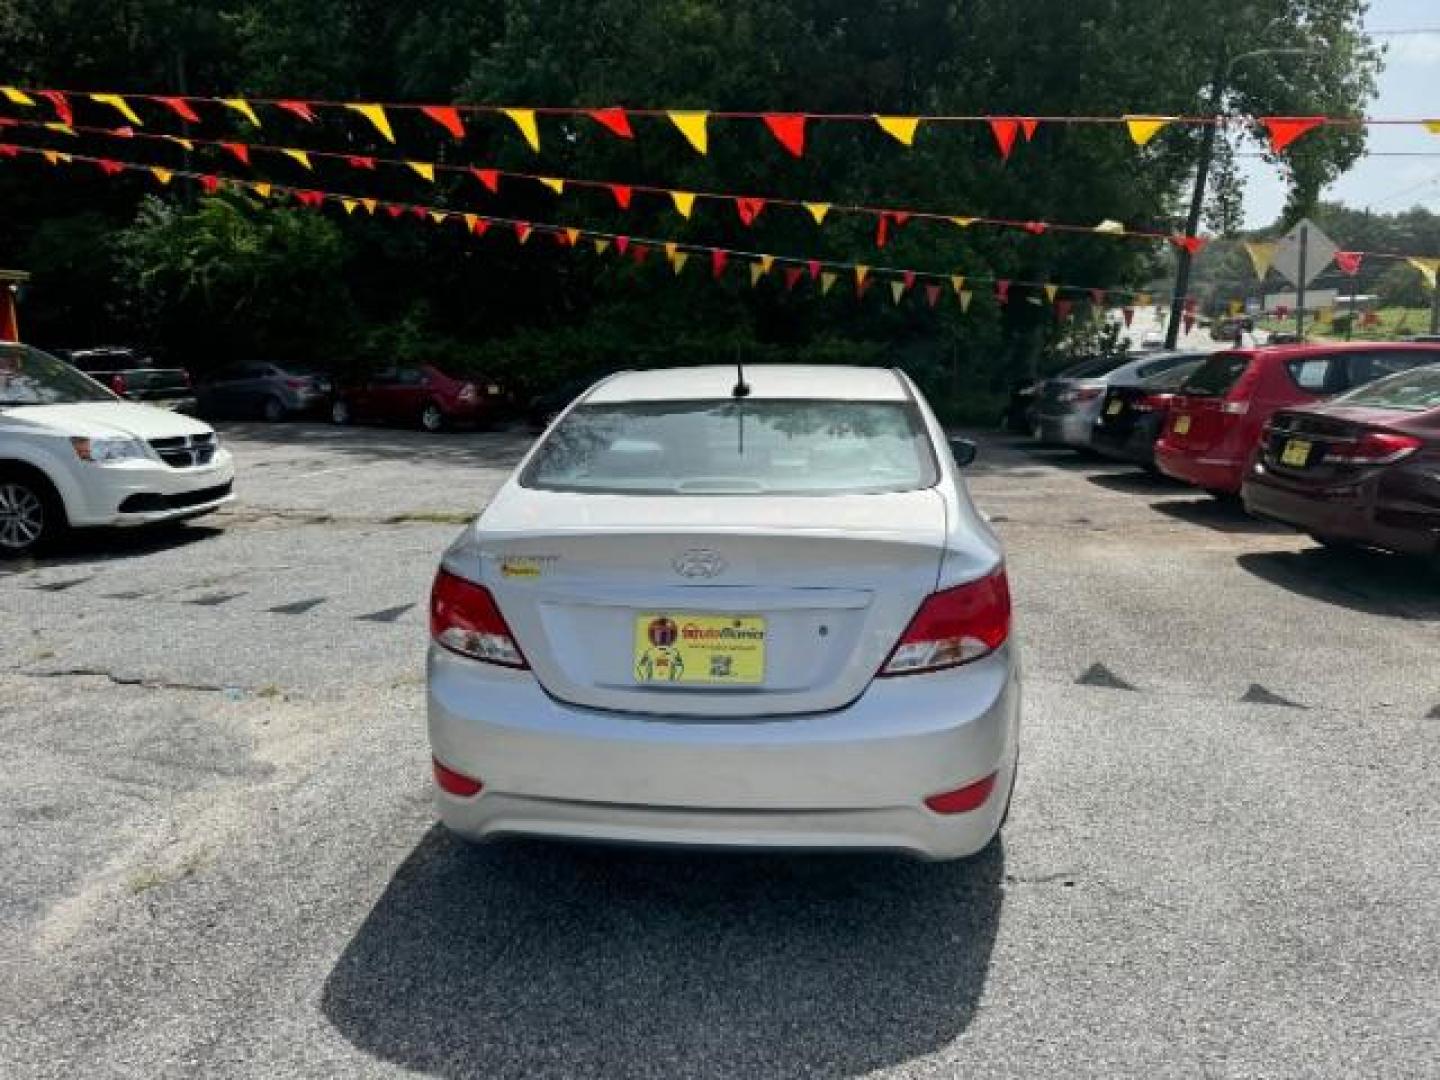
{"points": [[1371, 582], [102, 545], [1222, 515], [530, 959], [1138, 481], [498, 448]]}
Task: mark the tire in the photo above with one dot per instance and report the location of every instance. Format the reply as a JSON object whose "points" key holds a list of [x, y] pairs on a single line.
{"points": [[431, 418], [340, 412], [274, 410], [31, 514]]}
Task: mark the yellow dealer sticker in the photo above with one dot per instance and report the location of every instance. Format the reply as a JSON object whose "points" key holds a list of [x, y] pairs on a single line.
{"points": [[711, 650]]}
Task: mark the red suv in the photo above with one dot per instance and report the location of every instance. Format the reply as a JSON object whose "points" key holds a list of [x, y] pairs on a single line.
{"points": [[423, 394], [1213, 431]]}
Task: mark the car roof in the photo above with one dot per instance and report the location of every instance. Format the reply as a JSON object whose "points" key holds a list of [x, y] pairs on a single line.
{"points": [[794, 381], [1316, 348]]}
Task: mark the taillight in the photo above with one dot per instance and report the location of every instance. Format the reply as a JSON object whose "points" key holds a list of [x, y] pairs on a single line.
{"points": [[117, 384], [963, 800], [1154, 402], [1082, 393], [454, 783], [954, 627], [1377, 448], [1235, 408], [465, 620]]}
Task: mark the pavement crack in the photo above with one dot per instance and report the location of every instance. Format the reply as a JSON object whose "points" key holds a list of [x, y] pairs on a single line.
{"points": [[124, 680]]}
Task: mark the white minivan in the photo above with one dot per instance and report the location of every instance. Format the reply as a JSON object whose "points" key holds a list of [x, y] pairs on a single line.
{"points": [[72, 455]]}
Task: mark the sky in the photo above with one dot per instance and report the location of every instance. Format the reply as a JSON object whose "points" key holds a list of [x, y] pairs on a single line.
{"points": [[1408, 87]]}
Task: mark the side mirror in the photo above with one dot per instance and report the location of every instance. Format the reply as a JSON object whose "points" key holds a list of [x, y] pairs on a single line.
{"points": [[964, 452]]}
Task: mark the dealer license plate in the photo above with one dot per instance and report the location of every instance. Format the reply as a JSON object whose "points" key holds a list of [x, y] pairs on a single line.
{"points": [[710, 650], [1296, 453], [1182, 425], [1116, 408]]}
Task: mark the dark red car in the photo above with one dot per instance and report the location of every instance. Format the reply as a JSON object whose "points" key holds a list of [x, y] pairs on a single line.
{"points": [[421, 394], [1213, 429], [1363, 469]]}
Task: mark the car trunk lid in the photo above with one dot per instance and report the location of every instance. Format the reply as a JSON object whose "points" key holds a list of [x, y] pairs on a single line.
{"points": [[1314, 449]]}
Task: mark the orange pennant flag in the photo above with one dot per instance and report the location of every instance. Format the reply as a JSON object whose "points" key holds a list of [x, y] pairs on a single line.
{"points": [[376, 115], [119, 104], [901, 128], [241, 106], [524, 119], [261, 188], [162, 175], [370, 205], [694, 126], [766, 262], [573, 235]]}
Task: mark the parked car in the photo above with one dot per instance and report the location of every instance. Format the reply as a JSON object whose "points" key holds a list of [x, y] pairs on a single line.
{"points": [[1020, 415], [1133, 414], [422, 394], [1070, 403], [135, 376], [1214, 425], [273, 392], [1361, 469], [701, 614], [74, 454]]}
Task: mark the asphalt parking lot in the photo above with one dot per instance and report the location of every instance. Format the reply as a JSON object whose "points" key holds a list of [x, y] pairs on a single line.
{"points": [[219, 856]]}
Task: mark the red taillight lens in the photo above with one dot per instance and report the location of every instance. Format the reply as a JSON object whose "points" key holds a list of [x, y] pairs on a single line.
{"points": [[454, 783], [954, 627], [464, 619], [1154, 403], [1378, 448], [117, 384], [963, 800]]}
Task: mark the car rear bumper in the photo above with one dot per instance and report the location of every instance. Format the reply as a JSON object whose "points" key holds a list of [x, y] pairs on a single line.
{"points": [[1137, 445], [1211, 473], [1066, 429], [855, 778], [1358, 513]]}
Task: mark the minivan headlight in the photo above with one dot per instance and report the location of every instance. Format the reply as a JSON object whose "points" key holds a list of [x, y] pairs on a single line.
{"points": [[108, 451]]}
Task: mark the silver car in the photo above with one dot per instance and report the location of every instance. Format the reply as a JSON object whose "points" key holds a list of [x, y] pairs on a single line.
{"points": [[751, 610], [1070, 403]]}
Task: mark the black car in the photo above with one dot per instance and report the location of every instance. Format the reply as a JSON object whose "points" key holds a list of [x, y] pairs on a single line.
{"points": [[1133, 415], [272, 392], [134, 375]]}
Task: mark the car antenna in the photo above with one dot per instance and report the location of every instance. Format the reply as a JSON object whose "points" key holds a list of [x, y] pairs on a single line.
{"points": [[742, 388]]}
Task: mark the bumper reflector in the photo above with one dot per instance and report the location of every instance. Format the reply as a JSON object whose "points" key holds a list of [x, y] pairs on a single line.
{"points": [[963, 800], [454, 783]]}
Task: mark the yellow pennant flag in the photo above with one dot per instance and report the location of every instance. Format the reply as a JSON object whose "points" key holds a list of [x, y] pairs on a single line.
{"points": [[818, 210], [1428, 268], [350, 205], [900, 128], [298, 155], [1324, 315], [162, 175], [554, 184], [438, 216], [684, 203], [376, 115], [694, 126], [1433, 126], [53, 156], [524, 119], [670, 249], [766, 262], [678, 261], [1110, 225], [1143, 128], [601, 246], [119, 104], [572, 235], [1142, 299], [1261, 255], [371, 205], [241, 106], [16, 97], [827, 282], [965, 296], [1235, 307], [261, 188], [861, 273], [63, 129], [957, 282], [1051, 291], [184, 144], [423, 169], [470, 220], [963, 222], [897, 290], [756, 273]]}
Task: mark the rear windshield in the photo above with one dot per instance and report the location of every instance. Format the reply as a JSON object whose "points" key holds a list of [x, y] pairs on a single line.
{"points": [[1217, 375], [1410, 391], [736, 448], [1175, 377], [1094, 367]]}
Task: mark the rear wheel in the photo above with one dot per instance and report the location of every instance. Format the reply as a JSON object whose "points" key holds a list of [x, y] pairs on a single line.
{"points": [[431, 418], [340, 412], [31, 516], [274, 410]]}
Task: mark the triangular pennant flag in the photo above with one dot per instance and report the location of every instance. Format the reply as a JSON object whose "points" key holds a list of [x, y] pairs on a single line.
{"points": [[678, 261], [756, 273], [572, 235], [312, 198], [184, 144], [1002, 291], [827, 282], [1428, 269], [448, 117], [909, 279], [16, 97], [376, 115], [1144, 128], [1189, 244], [1284, 130], [965, 297], [1128, 314], [900, 128], [108, 167], [963, 222], [181, 108], [370, 205], [1235, 307], [957, 282], [480, 226], [639, 252], [861, 273], [718, 258], [350, 205], [897, 290], [524, 119], [793, 274], [63, 129], [298, 155], [1109, 225], [298, 108], [125, 132], [241, 106], [882, 230], [54, 157], [622, 194], [684, 203], [671, 248], [61, 104], [210, 184], [1028, 124], [1097, 297], [1035, 228], [490, 178], [261, 188], [1349, 261], [394, 209], [766, 262], [1325, 315], [1261, 255], [523, 229], [622, 244], [1051, 291], [1143, 299], [1004, 129], [932, 294], [1432, 126], [749, 209], [119, 104], [162, 175], [814, 267], [789, 130], [438, 216], [469, 220], [360, 161], [561, 238], [554, 183], [614, 120], [693, 126], [240, 151], [818, 210]]}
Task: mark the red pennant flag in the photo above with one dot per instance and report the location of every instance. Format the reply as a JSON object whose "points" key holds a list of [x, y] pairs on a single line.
{"points": [[180, 107], [480, 226], [560, 238], [900, 217], [932, 294], [239, 150], [814, 267], [392, 209], [718, 258], [1128, 313], [522, 231], [1062, 309], [298, 108], [419, 212], [63, 112], [490, 178], [622, 243], [1282, 311], [1028, 126], [882, 231], [792, 275], [749, 209], [108, 167], [8, 151], [315, 198], [358, 162], [1284, 130], [448, 117], [1036, 228], [1349, 261], [1192, 244], [1002, 291], [789, 130], [211, 184], [638, 252], [1097, 297], [909, 279], [622, 194], [614, 120], [126, 132], [1004, 130]]}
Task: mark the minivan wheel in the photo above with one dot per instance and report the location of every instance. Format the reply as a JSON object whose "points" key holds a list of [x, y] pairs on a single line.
{"points": [[30, 515], [275, 410], [431, 418], [340, 412]]}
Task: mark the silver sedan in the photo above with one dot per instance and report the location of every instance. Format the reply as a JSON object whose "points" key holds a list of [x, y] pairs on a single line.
{"points": [[738, 609]]}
